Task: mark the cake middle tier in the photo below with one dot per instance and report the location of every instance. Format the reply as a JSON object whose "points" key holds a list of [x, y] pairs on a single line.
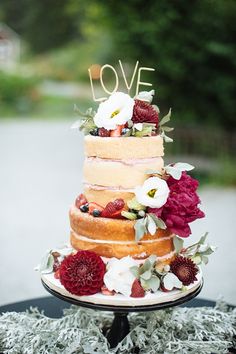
{"points": [[116, 237], [125, 173]]}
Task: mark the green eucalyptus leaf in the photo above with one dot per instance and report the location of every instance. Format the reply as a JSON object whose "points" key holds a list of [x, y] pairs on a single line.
{"points": [[129, 215], [140, 229], [152, 259], [135, 271], [170, 281], [178, 244], [46, 265], [166, 118], [174, 172], [205, 259], [146, 266], [182, 166], [146, 131], [197, 259], [167, 129], [146, 275], [151, 225], [167, 139], [153, 283], [203, 239], [135, 205]]}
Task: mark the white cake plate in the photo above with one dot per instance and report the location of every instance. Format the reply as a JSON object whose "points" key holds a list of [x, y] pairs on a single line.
{"points": [[122, 305]]}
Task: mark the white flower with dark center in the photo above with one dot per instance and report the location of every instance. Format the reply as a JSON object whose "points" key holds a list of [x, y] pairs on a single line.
{"points": [[118, 276], [153, 193], [116, 110]]}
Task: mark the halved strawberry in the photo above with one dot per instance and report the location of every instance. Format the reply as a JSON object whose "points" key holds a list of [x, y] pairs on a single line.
{"points": [[117, 131], [57, 274], [137, 290], [162, 288], [106, 291], [80, 200], [113, 209], [92, 206]]}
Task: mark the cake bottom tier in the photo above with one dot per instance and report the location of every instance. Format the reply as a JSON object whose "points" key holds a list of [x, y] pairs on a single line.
{"points": [[162, 247]]}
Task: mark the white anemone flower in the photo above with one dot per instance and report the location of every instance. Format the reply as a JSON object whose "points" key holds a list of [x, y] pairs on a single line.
{"points": [[116, 110], [153, 193], [118, 276]]}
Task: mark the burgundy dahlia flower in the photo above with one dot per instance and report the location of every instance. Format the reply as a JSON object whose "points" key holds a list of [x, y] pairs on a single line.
{"points": [[144, 113], [82, 273]]}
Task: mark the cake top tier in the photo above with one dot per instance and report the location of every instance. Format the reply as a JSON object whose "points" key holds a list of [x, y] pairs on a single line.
{"points": [[123, 116]]}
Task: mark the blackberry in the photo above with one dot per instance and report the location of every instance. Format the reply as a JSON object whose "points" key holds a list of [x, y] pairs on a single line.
{"points": [[94, 132], [84, 208]]}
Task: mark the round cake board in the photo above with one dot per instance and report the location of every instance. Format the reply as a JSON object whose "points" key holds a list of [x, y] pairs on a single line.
{"points": [[122, 305]]}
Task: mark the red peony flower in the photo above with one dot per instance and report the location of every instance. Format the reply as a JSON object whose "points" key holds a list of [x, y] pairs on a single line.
{"points": [[181, 207], [185, 269], [82, 273], [144, 113]]}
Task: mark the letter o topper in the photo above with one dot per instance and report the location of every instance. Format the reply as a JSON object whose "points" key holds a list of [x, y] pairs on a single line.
{"points": [[101, 79]]}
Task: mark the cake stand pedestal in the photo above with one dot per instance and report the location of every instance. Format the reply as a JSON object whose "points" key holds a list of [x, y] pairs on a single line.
{"points": [[120, 325]]}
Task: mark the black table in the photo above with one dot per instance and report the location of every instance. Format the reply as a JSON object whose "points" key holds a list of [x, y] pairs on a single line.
{"points": [[53, 307]]}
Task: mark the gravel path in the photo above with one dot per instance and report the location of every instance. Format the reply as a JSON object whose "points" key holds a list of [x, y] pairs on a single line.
{"points": [[40, 176]]}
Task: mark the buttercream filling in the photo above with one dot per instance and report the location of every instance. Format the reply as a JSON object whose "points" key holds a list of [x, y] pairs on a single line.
{"points": [[129, 162], [98, 187], [87, 239]]}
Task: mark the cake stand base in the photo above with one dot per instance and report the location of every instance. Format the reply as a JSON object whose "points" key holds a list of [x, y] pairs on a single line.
{"points": [[120, 325]]}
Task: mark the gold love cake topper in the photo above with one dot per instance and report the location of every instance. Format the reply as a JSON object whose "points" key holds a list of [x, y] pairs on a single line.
{"points": [[100, 73]]}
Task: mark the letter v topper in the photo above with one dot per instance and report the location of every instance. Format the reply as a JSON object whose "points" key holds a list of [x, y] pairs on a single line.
{"points": [[132, 79]]}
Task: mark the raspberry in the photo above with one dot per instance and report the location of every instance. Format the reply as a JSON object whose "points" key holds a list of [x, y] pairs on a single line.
{"points": [[80, 200], [103, 132], [137, 290]]}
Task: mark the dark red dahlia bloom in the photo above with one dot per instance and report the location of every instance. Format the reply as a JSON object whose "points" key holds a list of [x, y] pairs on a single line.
{"points": [[181, 207], [144, 113], [82, 273], [185, 269]]}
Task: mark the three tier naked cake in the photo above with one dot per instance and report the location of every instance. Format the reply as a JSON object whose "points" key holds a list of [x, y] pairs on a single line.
{"points": [[128, 225]]}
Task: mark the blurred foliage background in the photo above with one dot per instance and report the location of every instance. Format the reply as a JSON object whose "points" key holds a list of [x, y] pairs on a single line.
{"points": [[190, 44]]}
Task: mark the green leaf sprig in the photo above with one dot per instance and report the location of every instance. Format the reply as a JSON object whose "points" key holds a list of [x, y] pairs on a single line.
{"points": [[85, 122], [198, 252], [146, 274], [163, 128]]}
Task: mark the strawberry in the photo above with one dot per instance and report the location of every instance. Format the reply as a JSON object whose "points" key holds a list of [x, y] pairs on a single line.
{"points": [[106, 291], [103, 132], [162, 288], [57, 274], [117, 132], [113, 209], [80, 200], [137, 290], [92, 206]]}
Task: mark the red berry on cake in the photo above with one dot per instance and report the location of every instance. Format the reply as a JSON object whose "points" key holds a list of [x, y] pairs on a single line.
{"points": [[106, 291], [82, 273], [103, 132], [137, 290], [118, 131], [80, 200], [113, 209]]}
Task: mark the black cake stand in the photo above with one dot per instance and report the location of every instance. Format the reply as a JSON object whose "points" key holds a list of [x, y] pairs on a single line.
{"points": [[120, 325]]}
